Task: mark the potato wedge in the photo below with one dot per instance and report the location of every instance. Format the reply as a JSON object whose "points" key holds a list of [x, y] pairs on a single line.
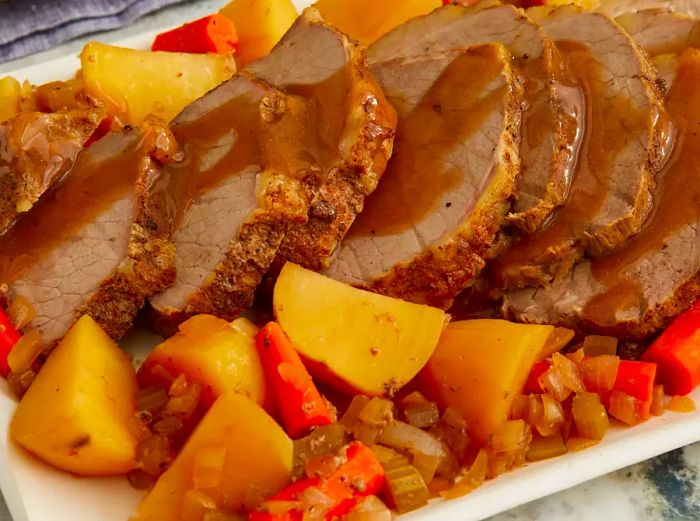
{"points": [[479, 366], [255, 455], [10, 94], [133, 84], [74, 414], [220, 356], [358, 341], [260, 25]]}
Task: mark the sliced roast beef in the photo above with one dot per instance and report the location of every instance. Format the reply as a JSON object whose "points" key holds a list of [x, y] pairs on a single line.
{"points": [[36, 149], [553, 106], [617, 7], [659, 31], [424, 233], [637, 290], [622, 150], [98, 242], [355, 124]]}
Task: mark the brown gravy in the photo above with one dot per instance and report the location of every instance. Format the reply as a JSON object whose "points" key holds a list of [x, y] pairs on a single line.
{"points": [[106, 172], [677, 203], [610, 122], [417, 175]]}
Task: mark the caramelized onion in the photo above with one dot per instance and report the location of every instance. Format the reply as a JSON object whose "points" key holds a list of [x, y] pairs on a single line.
{"points": [[599, 372], [545, 448], [625, 408], [151, 399]]}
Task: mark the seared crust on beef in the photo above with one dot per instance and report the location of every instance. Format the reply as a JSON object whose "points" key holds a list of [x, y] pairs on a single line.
{"points": [[36, 150]]}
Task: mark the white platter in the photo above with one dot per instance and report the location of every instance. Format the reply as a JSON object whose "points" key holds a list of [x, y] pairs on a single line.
{"points": [[35, 492]]}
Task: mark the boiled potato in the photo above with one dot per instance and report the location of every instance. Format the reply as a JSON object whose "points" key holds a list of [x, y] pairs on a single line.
{"points": [[260, 25], [351, 16], [220, 356], [74, 414], [479, 366], [133, 84], [9, 98], [358, 341], [255, 458]]}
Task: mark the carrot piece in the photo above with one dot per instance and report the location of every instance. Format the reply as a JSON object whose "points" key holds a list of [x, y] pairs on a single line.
{"points": [[301, 405], [677, 353], [360, 475], [635, 379], [9, 336], [214, 33], [533, 384]]}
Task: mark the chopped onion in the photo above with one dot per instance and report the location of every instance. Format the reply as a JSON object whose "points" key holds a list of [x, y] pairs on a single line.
{"points": [[400, 435], [315, 504], [473, 478], [25, 352], [577, 444], [625, 408], [370, 508], [599, 372], [452, 430], [595, 345], [422, 415], [521, 405], [552, 417], [426, 465], [179, 386], [575, 356], [377, 412], [508, 437], [151, 399], [681, 404], [168, 426], [568, 372], [138, 428], [552, 383], [557, 340], [21, 312], [367, 434], [658, 400], [545, 448], [414, 398], [185, 404], [154, 455], [208, 468], [352, 415], [590, 416]]}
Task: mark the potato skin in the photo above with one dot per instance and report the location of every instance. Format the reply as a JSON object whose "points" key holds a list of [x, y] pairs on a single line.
{"points": [[356, 341], [74, 414], [479, 366], [219, 355]]}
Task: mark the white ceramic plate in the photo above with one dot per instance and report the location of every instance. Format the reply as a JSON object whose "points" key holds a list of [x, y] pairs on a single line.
{"points": [[35, 492]]}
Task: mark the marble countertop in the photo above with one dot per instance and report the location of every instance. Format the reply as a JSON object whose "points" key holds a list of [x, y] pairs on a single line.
{"points": [[665, 488]]}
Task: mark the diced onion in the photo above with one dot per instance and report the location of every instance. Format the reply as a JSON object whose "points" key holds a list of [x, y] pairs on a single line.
{"points": [[370, 508], [552, 383], [577, 444], [422, 415], [569, 373], [401, 435], [473, 478], [25, 352], [185, 404], [625, 408], [590, 416], [599, 372], [328, 439], [378, 412], [151, 399], [545, 448], [414, 398], [681, 404], [352, 415]]}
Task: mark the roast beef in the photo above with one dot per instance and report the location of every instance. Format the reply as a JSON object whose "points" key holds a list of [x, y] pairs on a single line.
{"points": [[98, 242], [659, 31], [637, 290], [553, 107], [355, 124], [262, 164], [36, 149], [617, 7], [424, 233], [623, 148]]}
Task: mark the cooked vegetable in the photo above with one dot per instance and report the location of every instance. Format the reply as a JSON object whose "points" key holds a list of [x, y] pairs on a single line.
{"points": [[473, 478], [509, 446], [328, 439], [676, 352], [532, 385], [301, 405], [576, 444], [382, 348], [595, 345], [637, 379], [422, 415], [427, 450], [158, 83], [74, 415], [260, 24], [562, 378], [213, 33], [360, 474], [9, 336], [658, 401], [490, 359], [350, 16], [25, 352], [681, 404], [545, 448], [258, 460], [590, 416], [219, 355], [10, 94], [370, 508], [599, 373], [558, 340], [406, 488], [625, 408]]}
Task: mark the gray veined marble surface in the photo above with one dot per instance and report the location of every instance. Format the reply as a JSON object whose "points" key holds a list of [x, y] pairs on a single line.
{"points": [[666, 488]]}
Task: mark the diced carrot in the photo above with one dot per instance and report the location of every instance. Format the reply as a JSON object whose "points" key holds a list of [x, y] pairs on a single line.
{"points": [[360, 475], [637, 379], [214, 33], [9, 336], [677, 353], [533, 385], [301, 405]]}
